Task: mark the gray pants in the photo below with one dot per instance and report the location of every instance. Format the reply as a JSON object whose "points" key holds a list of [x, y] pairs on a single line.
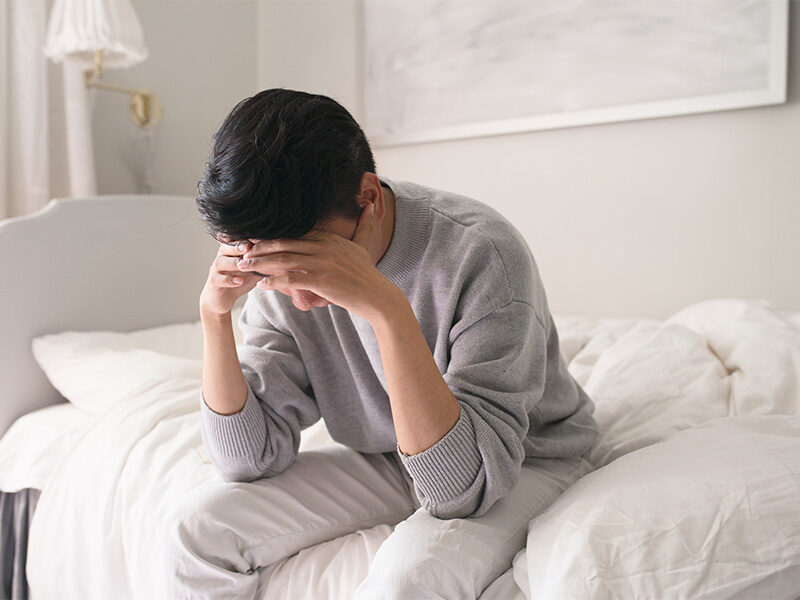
{"points": [[335, 491]]}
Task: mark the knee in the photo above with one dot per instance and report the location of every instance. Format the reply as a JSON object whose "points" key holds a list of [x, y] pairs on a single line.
{"points": [[203, 560], [408, 569], [194, 541], [200, 537]]}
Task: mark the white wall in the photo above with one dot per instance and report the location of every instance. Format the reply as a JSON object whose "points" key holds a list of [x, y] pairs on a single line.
{"points": [[202, 61], [638, 218]]}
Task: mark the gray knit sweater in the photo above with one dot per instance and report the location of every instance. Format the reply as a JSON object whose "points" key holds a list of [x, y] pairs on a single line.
{"points": [[475, 289]]}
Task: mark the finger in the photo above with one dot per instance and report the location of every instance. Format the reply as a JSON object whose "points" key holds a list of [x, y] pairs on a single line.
{"points": [[224, 262], [224, 280], [228, 264], [278, 263], [234, 249], [225, 239], [305, 246], [219, 266], [290, 281]]}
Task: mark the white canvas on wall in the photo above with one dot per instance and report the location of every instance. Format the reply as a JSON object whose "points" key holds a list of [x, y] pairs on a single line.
{"points": [[446, 69]]}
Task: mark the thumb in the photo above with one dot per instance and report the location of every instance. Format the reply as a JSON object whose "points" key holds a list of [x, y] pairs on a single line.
{"points": [[364, 226]]}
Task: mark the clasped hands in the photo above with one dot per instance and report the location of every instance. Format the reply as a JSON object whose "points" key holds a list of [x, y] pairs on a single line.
{"points": [[340, 270]]}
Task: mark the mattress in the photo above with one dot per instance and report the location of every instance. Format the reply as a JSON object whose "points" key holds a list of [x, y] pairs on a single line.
{"points": [[32, 446], [29, 454]]}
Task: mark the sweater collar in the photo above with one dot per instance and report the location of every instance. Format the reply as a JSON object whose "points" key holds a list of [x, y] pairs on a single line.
{"points": [[411, 231]]}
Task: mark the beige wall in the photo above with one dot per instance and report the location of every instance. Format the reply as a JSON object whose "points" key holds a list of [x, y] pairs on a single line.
{"points": [[638, 218], [202, 61]]}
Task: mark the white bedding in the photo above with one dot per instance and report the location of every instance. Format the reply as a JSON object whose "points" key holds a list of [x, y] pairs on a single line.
{"points": [[31, 448], [713, 510], [704, 403]]}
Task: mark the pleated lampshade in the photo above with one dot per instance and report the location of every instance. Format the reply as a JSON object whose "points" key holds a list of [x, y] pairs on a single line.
{"points": [[77, 28]]}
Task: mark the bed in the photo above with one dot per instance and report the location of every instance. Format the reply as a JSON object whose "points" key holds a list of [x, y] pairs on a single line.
{"points": [[695, 492]]}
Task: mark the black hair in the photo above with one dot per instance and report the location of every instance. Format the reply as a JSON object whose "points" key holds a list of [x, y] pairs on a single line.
{"points": [[282, 161]]}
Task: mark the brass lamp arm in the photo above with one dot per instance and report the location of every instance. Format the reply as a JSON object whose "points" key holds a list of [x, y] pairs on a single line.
{"points": [[145, 106], [107, 86]]}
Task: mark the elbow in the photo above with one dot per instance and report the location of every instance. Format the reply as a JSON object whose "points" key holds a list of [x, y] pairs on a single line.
{"points": [[241, 468], [458, 477], [452, 511], [473, 502], [244, 471], [233, 477], [238, 472]]}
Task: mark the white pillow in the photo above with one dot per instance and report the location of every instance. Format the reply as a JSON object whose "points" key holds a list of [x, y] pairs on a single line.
{"points": [[96, 369], [717, 358], [711, 512], [655, 380], [759, 344]]}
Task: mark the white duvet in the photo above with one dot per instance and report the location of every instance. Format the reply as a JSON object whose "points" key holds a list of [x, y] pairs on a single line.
{"points": [[697, 491]]}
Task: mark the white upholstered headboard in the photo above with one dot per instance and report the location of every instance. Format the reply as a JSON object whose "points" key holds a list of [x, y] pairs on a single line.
{"points": [[116, 263]]}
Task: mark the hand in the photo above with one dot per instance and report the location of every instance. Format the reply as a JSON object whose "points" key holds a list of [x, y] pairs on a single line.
{"points": [[222, 289], [339, 270]]}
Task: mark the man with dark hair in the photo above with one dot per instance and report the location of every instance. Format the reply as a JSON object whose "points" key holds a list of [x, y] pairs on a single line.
{"points": [[413, 321]]}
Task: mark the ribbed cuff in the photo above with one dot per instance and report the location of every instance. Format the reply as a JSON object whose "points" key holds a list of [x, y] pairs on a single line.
{"points": [[449, 467], [240, 435]]}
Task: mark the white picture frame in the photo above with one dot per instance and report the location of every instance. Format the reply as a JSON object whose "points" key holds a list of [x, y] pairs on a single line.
{"points": [[435, 70]]}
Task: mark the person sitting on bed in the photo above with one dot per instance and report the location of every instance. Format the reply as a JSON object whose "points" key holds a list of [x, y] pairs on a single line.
{"points": [[412, 320]]}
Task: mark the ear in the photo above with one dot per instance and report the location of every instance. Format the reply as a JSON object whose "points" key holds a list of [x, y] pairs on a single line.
{"points": [[371, 191], [365, 226]]}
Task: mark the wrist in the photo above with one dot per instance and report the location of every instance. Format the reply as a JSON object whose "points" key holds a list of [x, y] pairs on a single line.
{"points": [[210, 316], [392, 306]]}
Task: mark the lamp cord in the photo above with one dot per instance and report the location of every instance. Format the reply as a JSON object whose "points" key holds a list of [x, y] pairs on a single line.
{"points": [[144, 142]]}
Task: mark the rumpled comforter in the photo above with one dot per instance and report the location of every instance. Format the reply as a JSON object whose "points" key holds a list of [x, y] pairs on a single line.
{"points": [[104, 526]]}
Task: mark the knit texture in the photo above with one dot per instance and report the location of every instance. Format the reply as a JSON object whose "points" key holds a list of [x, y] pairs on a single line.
{"points": [[476, 291]]}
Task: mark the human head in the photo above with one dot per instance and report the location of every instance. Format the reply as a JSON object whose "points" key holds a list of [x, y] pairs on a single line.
{"points": [[282, 163]]}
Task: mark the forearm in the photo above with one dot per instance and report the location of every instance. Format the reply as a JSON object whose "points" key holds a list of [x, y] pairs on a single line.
{"points": [[233, 430], [245, 440], [423, 407], [224, 385]]}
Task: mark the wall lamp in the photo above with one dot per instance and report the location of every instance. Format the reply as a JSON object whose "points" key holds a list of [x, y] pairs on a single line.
{"points": [[98, 34]]}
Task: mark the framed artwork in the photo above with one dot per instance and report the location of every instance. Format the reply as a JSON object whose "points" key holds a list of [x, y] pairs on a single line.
{"points": [[447, 69]]}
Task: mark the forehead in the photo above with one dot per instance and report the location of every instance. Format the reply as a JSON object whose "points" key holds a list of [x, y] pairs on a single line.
{"points": [[338, 226]]}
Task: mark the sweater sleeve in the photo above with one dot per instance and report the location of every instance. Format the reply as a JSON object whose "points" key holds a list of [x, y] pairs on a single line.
{"points": [[263, 438], [497, 373]]}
